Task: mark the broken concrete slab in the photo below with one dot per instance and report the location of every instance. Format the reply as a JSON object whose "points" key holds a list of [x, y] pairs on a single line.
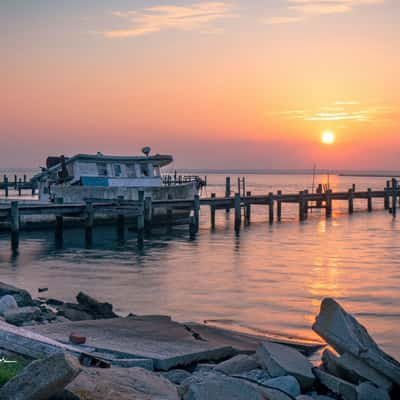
{"points": [[211, 386], [122, 384], [237, 365], [346, 335], [281, 360], [367, 391], [21, 296], [287, 384], [342, 388], [168, 343], [176, 376], [42, 378], [353, 370], [21, 315], [7, 302]]}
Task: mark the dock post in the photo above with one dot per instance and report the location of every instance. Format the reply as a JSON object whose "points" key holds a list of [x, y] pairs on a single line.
{"points": [[19, 187], [24, 178], [394, 196], [140, 220], [197, 211], [354, 187], [148, 213], [351, 201], [279, 206], [14, 225], [5, 185], [228, 190], [238, 186], [192, 226], [306, 205], [59, 222], [212, 211], [386, 201], [248, 209], [271, 208], [328, 200], [301, 206], [89, 223], [369, 200], [319, 191], [15, 182], [238, 214]]}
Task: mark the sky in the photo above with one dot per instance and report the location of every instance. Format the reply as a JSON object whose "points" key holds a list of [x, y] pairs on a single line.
{"points": [[218, 84]]}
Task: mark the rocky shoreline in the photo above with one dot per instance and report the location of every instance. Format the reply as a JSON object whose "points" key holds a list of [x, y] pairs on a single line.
{"points": [[84, 351]]}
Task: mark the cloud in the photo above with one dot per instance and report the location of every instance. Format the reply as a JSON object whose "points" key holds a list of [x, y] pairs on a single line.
{"points": [[301, 10], [197, 16]]}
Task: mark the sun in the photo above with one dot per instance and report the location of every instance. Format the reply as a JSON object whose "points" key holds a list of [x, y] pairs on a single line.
{"points": [[328, 137]]}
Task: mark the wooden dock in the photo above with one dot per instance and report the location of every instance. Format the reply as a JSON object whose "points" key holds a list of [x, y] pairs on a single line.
{"points": [[143, 209]]}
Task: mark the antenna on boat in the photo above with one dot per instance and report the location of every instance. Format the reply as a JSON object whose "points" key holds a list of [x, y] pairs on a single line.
{"points": [[146, 151]]}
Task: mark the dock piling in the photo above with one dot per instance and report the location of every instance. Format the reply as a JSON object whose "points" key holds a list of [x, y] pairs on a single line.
{"points": [[328, 202], [197, 211], [238, 214], [394, 196], [386, 199], [351, 201], [271, 208], [248, 210], [369, 200], [228, 190], [212, 211], [14, 225], [279, 206], [302, 213]]}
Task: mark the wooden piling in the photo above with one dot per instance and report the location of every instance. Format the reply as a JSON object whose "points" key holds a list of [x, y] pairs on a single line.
{"points": [[301, 206], [394, 196], [369, 200], [19, 187], [14, 225], [248, 210], [328, 203], [351, 201], [192, 226], [5, 186], [306, 205], [140, 220], [238, 214], [270, 208], [279, 206], [197, 211], [386, 199], [212, 212], [319, 191], [228, 190], [15, 182]]}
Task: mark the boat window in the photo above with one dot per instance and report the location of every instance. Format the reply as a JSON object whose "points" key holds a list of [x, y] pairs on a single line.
{"points": [[143, 170], [131, 170], [117, 170], [156, 170], [102, 169]]}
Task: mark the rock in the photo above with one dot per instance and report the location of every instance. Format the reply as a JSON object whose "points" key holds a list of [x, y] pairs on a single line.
{"points": [[7, 302], [304, 397], [41, 378], [281, 360], [176, 376], [346, 335], [367, 391], [122, 384], [133, 362], [54, 302], [217, 387], [237, 365], [73, 314], [287, 384], [21, 315], [204, 367], [21, 296], [346, 390], [77, 339], [41, 290], [95, 308], [257, 375], [353, 370]]}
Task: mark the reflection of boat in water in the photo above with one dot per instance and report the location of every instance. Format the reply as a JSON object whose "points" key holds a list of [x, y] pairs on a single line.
{"points": [[100, 177]]}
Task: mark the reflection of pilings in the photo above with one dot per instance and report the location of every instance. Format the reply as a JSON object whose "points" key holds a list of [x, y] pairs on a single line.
{"points": [[279, 206], [248, 210], [369, 200], [351, 201], [140, 220], [14, 225], [271, 208], [394, 197], [212, 212], [238, 213]]}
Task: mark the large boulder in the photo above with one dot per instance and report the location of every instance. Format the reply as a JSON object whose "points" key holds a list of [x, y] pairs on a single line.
{"points": [[287, 384], [216, 386], [344, 389], [122, 384], [21, 296], [367, 391], [237, 365], [19, 316], [346, 335], [353, 370], [176, 376], [42, 378], [97, 309], [281, 360], [7, 302]]}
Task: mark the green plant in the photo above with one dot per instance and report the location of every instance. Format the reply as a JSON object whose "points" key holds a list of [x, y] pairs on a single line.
{"points": [[9, 370]]}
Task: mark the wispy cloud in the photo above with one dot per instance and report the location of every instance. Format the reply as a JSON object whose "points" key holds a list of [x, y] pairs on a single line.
{"points": [[342, 111], [300, 10], [197, 16]]}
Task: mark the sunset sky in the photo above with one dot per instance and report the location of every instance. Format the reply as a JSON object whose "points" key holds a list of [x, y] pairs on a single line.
{"points": [[236, 84]]}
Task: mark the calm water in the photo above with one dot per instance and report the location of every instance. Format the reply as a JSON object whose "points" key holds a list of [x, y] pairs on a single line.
{"points": [[270, 278]]}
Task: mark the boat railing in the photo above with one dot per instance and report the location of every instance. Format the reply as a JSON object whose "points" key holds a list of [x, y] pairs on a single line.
{"points": [[174, 179]]}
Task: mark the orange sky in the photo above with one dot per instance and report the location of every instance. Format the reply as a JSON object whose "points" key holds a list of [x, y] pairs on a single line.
{"points": [[217, 84]]}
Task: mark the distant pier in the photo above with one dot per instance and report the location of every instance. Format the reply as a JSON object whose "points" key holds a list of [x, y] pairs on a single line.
{"points": [[142, 211]]}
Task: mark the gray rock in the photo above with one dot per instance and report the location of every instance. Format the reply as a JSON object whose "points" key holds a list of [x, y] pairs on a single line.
{"points": [[346, 335], [257, 375], [97, 309], [304, 397], [367, 391], [237, 365], [176, 376], [73, 314], [353, 370], [21, 296], [346, 390], [133, 362], [205, 367], [217, 387], [42, 378], [22, 315], [7, 302], [281, 360], [287, 384], [122, 384]]}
